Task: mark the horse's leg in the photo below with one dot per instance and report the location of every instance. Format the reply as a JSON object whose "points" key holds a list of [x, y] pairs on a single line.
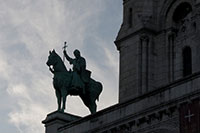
{"points": [[58, 95], [90, 103], [64, 102], [64, 95], [93, 107], [98, 87]]}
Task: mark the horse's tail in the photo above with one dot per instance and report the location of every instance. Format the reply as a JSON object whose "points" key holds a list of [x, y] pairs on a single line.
{"points": [[95, 90]]}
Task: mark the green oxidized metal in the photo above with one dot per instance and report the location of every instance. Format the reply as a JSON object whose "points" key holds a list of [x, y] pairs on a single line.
{"points": [[76, 82]]}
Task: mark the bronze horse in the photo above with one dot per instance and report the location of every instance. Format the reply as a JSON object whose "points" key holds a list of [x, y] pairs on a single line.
{"points": [[62, 85]]}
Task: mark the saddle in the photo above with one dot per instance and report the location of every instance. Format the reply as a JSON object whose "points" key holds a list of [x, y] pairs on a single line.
{"points": [[85, 76]]}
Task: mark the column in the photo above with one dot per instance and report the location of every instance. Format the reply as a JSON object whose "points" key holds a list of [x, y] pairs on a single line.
{"points": [[171, 55], [143, 64]]}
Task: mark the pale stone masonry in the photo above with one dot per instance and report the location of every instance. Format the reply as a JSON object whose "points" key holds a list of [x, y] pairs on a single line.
{"points": [[155, 111], [151, 48], [159, 78], [57, 119]]}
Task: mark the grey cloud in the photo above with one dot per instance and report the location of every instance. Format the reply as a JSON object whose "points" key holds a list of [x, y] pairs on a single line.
{"points": [[18, 52], [29, 28]]}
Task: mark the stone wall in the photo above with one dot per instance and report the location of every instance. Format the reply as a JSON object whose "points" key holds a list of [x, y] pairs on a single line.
{"points": [[151, 47]]}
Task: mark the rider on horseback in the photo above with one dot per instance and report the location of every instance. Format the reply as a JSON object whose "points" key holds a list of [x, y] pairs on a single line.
{"points": [[80, 76]]}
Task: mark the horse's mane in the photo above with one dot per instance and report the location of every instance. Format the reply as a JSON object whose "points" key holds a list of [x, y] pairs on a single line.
{"points": [[59, 58]]}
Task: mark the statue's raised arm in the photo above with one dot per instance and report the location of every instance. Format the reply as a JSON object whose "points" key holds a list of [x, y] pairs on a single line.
{"points": [[67, 56]]}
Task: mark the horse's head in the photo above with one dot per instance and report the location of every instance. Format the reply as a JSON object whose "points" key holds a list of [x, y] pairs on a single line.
{"points": [[52, 59], [55, 61]]}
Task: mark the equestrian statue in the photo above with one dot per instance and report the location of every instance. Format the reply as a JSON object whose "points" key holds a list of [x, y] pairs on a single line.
{"points": [[75, 82]]}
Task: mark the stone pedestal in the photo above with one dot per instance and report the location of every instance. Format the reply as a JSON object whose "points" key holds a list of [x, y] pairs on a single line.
{"points": [[57, 119]]}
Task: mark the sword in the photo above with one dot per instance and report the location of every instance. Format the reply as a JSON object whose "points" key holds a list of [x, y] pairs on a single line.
{"points": [[64, 48]]}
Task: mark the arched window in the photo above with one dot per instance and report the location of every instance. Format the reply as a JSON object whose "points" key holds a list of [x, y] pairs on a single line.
{"points": [[181, 12], [130, 17], [187, 61]]}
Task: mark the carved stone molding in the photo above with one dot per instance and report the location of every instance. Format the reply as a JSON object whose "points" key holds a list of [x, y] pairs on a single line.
{"points": [[150, 119], [144, 38], [172, 32], [145, 18]]}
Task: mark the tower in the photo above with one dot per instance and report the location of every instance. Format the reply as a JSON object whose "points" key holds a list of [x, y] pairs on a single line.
{"points": [[158, 44]]}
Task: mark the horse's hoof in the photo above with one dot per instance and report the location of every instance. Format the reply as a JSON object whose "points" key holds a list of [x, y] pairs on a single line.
{"points": [[62, 110]]}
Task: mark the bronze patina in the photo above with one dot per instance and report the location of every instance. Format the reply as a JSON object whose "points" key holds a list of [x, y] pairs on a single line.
{"points": [[77, 82]]}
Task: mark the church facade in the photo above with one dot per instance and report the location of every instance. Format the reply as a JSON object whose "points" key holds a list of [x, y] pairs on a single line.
{"points": [[159, 80]]}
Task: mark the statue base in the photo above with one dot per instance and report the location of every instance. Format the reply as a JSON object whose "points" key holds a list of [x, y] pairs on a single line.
{"points": [[57, 119]]}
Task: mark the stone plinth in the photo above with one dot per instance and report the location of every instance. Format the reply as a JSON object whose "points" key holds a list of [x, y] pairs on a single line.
{"points": [[57, 119]]}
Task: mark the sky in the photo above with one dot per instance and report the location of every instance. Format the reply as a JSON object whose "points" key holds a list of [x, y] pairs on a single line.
{"points": [[28, 30]]}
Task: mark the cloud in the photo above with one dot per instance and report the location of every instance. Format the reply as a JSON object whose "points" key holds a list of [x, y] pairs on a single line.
{"points": [[29, 28]]}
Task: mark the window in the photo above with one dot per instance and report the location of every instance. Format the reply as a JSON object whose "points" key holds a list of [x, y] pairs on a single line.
{"points": [[187, 61], [181, 12]]}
